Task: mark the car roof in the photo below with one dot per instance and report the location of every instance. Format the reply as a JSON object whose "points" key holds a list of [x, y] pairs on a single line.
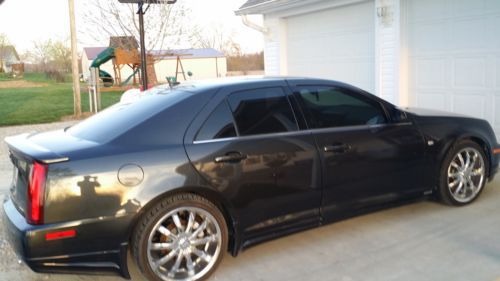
{"points": [[242, 80]]}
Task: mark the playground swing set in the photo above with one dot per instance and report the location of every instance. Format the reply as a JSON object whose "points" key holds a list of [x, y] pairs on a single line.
{"points": [[127, 55]]}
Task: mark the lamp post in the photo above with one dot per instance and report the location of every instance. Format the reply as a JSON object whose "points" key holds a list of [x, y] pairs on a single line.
{"points": [[141, 11]]}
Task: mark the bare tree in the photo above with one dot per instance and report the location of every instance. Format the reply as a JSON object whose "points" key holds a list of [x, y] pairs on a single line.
{"points": [[165, 25], [50, 55], [4, 42], [217, 38]]}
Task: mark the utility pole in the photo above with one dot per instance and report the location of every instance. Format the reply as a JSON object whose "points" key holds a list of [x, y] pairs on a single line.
{"points": [[77, 102], [144, 64]]}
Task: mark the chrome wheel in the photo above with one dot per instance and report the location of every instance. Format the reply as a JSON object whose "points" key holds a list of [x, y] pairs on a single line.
{"points": [[466, 174], [185, 244]]}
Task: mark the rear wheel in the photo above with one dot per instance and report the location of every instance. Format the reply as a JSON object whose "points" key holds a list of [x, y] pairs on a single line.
{"points": [[463, 173], [183, 237]]}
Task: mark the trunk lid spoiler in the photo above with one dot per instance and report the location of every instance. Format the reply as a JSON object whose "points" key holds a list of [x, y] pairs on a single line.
{"points": [[22, 145]]}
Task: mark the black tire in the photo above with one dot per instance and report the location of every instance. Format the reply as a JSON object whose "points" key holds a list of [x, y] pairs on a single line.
{"points": [[151, 218], [444, 192]]}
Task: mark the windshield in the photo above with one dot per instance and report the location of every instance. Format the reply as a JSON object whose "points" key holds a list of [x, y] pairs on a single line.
{"points": [[119, 118]]}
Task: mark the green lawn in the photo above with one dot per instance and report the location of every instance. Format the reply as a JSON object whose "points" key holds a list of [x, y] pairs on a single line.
{"points": [[43, 104]]}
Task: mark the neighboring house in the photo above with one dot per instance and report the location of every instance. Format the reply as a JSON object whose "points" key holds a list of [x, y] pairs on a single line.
{"points": [[203, 63], [438, 54], [8, 57]]}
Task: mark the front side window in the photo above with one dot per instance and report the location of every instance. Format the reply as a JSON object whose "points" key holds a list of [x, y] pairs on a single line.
{"points": [[262, 111], [327, 107], [218, 125]]}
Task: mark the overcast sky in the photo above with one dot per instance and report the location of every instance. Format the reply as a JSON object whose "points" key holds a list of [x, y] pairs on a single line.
{"points": [[25, 21]]}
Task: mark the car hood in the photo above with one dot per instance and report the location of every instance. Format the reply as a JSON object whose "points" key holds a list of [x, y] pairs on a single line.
{"points": [[432, 112]]}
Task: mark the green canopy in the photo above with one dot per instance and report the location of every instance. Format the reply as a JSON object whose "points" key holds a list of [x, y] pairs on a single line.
{"points": [[103, 57]]}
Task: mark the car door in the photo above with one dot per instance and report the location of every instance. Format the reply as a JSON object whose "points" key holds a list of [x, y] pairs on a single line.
{"points": [[367, 158], [249, 148]]}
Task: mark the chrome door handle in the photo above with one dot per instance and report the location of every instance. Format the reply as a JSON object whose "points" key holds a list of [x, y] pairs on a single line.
{"points": [[337, 148], [231, 157]]}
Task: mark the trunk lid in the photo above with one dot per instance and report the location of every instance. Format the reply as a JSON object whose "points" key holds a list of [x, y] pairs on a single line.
{"points": [[45, 148]]}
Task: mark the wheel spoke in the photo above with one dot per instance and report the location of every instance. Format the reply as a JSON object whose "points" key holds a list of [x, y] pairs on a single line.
{"points": [[190, 265], [455, 165], [472, 186], [204, 256], [467, 160], [199, 229], [177, 222], [163, 230], [461, 159], [177, 263], [162, 246], [473, 162], [205, 240], [166, 258], [459, 188], [190, 222]]}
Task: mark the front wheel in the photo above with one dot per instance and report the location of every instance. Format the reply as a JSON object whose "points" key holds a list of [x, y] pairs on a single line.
{"points": [[181, 238], [463, 174]]}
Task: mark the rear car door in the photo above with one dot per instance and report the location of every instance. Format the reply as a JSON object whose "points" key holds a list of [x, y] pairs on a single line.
{"points": [[247, 145], [367, 158]]}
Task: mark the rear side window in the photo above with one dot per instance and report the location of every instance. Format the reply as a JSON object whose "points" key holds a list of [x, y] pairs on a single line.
{"points": [[262, 111], [218, 125], [327, 107]]}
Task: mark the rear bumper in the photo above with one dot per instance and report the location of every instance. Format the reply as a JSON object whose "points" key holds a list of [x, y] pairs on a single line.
{"points": [[60, 256]]}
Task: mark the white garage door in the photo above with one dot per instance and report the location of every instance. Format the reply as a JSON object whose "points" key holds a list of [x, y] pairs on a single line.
{"points": [[454, 56], [334, 44]]}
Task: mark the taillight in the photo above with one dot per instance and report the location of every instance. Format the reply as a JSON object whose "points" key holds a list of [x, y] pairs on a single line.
{"points": [[36, 192]]}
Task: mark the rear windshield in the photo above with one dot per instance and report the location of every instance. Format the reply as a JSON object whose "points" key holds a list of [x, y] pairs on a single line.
{"points": [[121, 117]]}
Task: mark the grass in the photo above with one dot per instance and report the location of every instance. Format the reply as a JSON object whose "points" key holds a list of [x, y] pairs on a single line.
{"points": [[43, 104]]}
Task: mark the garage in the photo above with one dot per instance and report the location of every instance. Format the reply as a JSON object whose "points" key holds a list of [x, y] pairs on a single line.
{"points": [[438, 54], [334, 43], [454, 57]]}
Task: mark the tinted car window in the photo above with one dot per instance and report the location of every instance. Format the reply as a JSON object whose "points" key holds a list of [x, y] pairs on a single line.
{"points": [[328, 107], [218, 125], [262, 111], [122, 117]]}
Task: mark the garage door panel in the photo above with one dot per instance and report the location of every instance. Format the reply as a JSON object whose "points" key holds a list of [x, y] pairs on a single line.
{"points": [[430, 73], [335, 44], [431, 100], [492, 5], [428, 38], [425, 10], [497, 80], [470, 72], [469, 34], [497, 112], [472, 105]]}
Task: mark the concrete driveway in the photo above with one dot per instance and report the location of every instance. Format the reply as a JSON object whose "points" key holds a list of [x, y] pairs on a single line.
{"points": [[421, 241]]}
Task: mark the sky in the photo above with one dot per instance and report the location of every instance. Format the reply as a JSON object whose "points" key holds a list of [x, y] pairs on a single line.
{"points": [[26, 21]]}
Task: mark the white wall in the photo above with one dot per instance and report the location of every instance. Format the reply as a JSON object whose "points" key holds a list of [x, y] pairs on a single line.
{"points": [[202, 68]]}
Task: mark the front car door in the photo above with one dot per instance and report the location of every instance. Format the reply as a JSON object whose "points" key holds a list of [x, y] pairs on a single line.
{"points": [[368, 158], [250, 149]]}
